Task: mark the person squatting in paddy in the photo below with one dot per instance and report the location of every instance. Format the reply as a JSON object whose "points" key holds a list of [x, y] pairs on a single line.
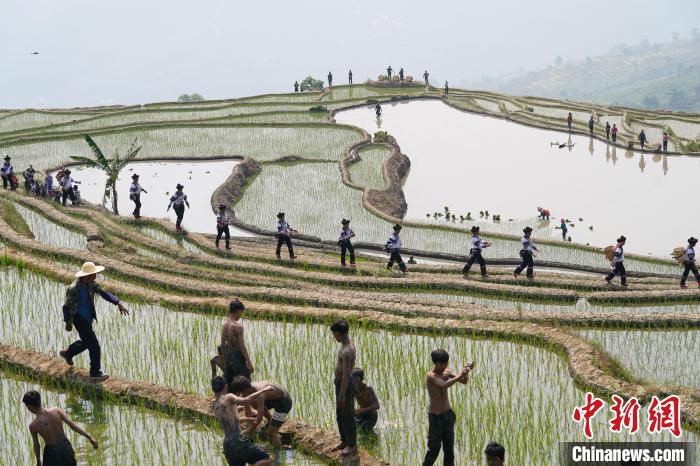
{"points": [[477, 244], [367, 412], [178, 201]]}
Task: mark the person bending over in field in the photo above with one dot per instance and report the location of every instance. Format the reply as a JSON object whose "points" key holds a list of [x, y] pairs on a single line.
{"points": [[239, 450], [233, 349], [495, 454], [276, 398], [344, 390], [441, 418], [48, 424], [367, 413]]}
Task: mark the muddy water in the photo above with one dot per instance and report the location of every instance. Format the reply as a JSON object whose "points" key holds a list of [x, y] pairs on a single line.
{"points": [[200, 180], [472, 163]]}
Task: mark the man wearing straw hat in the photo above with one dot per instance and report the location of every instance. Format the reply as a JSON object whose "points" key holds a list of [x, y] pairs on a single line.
{"points": [[526, 252], [79, 311], [477, 244], [7, 173], [617, 263], [135, 195], [689, 262]]}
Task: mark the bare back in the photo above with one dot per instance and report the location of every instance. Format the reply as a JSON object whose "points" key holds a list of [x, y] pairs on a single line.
{"points": [[439, 400], [49, 425], [226, 412], [231, 336], [346, 360]]}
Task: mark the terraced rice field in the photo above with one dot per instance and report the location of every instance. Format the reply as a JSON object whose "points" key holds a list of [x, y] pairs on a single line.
{"points": [[538, 345]]}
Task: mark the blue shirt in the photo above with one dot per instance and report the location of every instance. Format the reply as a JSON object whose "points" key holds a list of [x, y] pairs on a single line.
{"points": [[84, 304]]}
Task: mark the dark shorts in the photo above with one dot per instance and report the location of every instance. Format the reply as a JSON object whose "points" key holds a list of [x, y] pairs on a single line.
{"points": [[241, 451], [234, 364], [59, 454], [282, 407], [367, 421]]}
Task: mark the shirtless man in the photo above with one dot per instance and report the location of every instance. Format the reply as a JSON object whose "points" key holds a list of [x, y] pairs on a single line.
{"points": [[239, 450], [48, 424], [344, 392], [233, 349], [367, 414], [441, 418], [277, 399]]}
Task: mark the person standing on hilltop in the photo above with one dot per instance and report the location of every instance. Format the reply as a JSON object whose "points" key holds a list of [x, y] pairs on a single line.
{"points": [[642, 139], [296, 86], [607, 130], [350, 77], [569, 120], [613, 133], [330, 79], [135, 195], [425, 77], [591, 122], [447, 88], [401, 74], [178, 202], [388, 72]]}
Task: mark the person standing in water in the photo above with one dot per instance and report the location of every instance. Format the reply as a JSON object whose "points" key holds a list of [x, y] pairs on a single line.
{"points": [[569, 120], [79, 311], [135, 195], [607, 130], [393, 246], [345, 243], [233, 348], [689, 262], [367, 413], [222, 222], [617, 263], [477, 244], [344, 389], [48, 424], [238, 449], [350, 77], [283, 236], [564, 229], [178, 202], [526, 252], [378, 110]]}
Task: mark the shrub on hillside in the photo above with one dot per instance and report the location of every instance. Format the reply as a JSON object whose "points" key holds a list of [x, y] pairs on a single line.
{"points": [[311, 84]]}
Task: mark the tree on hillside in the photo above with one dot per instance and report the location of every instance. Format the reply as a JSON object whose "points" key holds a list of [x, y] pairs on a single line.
{"points": [[184, 98], [558, 61], [311, 84], [110, 167], [190, 98]]}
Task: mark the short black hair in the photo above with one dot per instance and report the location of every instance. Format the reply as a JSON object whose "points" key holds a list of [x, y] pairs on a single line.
{"points": [[495, 450], [218, 383], [235, 305], [32, 398], [341, 326], [439, 355], [357, 372], [239, 384]]}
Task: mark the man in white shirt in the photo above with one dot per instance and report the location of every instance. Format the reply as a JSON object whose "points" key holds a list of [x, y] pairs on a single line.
{"points": [[135, 195], [617, 263], [67, 187], [477, 244], [527, 252], [689, 262]]}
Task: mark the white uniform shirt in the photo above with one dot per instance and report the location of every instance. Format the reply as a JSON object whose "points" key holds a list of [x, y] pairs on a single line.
{"points": [[283, 228], [527, 245], [178, 199], [345, 233], [7, 169], [135, 188], [689, 255], [394, 242], [66, 182], [618, 255], [222, 219], [477, 244]]}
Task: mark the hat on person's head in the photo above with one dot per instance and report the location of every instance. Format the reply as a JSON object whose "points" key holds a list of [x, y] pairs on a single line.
{"points": [[397, 227], [7, 157], [280, 215], [89, 268], [539, 208], [179, 186], [66, 171], [222, 206], [345, 221], [527, 230], [621, 239], [475, 229], [134, 176], [692, 240]]}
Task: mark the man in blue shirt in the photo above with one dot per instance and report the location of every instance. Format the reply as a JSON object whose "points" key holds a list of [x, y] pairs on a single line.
{"points": [[79, 311]]}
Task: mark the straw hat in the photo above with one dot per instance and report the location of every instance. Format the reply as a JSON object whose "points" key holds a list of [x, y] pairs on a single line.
{"points": [[692, 240], [621, 239], [475, 229], [89, 268]]}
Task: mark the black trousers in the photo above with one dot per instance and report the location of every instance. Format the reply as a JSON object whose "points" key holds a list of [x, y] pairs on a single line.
{"points": [[396, 257], [618, 269], [226, 234], [475, 257], [527, 262], [350, 80], [7, 180], [180, 212], [59, 454], [367, 421], [441, 432], [591, 129], [346, 245], [665, 146], [345, 415], [286, 240], [66, 194], [607, 134], [136, 198], [88, 341], [614, 137], [690, 267], [641, 143]]}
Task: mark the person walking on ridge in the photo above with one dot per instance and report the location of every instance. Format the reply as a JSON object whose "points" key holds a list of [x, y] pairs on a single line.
{"points": [[393, 246], [591, 123], [296, 86], [344, 389], [178, 201], [477, 244], [642, 139], [135, 195], [330, 79], [48, 424], [350, 77], [664, 142], [388, 72], [79, 311], [607, 130], [613, 133], [689, 262], [283, 236], [222, 222], [345, 243], [569, 120], [527, 252], [8, 173], [425, 77], [617, 263]]}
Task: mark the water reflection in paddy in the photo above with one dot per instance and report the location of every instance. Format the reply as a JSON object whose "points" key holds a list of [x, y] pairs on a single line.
{"points": [[471, 163]]}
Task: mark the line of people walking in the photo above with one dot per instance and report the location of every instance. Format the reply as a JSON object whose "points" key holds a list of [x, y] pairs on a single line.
{"points": [[611, 132]]}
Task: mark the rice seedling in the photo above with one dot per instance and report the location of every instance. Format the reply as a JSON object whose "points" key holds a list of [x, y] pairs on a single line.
{"points": [[33, 118], [356, 92], [368, 171], [15, 220], [489, 105], [681, 128], [51, 233]]}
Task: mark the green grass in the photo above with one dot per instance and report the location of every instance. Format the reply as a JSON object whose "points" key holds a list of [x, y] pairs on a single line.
{"points": [[16, 220]]}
